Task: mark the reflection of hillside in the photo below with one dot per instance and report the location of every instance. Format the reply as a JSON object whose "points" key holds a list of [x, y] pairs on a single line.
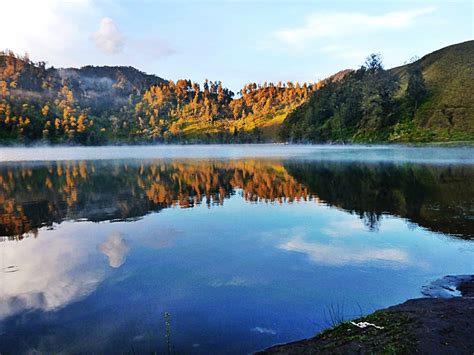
{"points": [[440, 198], [33, 196], [36, 196]]}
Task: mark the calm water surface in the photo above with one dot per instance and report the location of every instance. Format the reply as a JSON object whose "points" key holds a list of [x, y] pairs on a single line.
{"points": [[241, 247]]}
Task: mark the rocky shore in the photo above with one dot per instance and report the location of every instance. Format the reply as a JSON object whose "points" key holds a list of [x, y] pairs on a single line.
{"points": [[441, 323]]}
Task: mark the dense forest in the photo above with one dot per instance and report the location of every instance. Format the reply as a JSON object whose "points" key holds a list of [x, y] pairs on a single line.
{"points": [[362, 104], [95, 105], [429, 99]]}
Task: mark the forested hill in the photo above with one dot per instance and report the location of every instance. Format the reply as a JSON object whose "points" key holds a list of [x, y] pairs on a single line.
{"points": [[99, 105], [430, 99], [90, 85]]}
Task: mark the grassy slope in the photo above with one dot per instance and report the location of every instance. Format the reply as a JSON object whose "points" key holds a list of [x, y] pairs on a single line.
{"points": [[269, 126], [447, 113]]}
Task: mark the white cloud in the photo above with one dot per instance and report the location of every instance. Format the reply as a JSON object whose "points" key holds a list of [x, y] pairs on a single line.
{"points": [[67, 33], [343, 24], [339, 255], [48, 29], [108, 37]]}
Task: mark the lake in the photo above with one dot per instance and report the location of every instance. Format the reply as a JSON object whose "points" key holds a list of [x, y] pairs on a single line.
{"points": [[220, 249]]}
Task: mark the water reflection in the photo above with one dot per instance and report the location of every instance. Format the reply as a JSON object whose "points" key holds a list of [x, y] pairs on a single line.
{"points": [[328, 254], [440, 198], [243, 253], [52, 272], [115, 249]]}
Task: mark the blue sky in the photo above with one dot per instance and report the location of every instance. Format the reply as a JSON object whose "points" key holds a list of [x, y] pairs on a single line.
{"points": [[235, 41]]}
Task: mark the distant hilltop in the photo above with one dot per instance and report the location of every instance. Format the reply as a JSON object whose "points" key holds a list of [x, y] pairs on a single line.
{"points": [[428, 100], [90, 84]]}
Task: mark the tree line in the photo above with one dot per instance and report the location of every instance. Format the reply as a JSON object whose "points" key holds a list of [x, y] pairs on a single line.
{"points": [[44, 104], [363, 106], [98, 105]]}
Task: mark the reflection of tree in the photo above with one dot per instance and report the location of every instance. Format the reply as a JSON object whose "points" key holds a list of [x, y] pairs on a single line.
{"points": [[33, 196], [372, 220], [440, 198]]}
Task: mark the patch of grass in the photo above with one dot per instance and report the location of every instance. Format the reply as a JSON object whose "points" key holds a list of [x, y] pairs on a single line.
{"points": [[448, 110], [335, 314], [395, 337]]}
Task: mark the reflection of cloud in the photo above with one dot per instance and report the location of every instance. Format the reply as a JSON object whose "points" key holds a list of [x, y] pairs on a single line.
{"points": [[342, 255], [115, 249], [343, 228], [235, 281], [52, 272], [263, 330]]}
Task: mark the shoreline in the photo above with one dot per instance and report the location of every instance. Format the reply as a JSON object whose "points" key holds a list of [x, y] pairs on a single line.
{"points": [[40, 144], [441, 323]]}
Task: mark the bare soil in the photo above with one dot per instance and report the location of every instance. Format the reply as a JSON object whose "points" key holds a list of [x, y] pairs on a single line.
{"points": [[423, 326]]}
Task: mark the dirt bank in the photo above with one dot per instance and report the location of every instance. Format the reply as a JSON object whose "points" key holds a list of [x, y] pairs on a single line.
{"points": [[424, 325]]}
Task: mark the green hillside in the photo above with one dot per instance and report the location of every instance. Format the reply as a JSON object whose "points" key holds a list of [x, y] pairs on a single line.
{"points": [[375, 105], [447, 113]]}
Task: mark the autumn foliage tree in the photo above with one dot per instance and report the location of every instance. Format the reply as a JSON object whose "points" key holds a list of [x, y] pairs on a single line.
{"points": [[39, 103]]}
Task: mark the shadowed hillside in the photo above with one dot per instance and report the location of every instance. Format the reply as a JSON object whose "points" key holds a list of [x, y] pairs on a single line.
{"points": [[91, 85], [447, 112], [428, 100]]}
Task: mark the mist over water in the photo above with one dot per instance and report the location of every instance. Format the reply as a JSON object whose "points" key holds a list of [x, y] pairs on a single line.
{"points": [[375, 153]]}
